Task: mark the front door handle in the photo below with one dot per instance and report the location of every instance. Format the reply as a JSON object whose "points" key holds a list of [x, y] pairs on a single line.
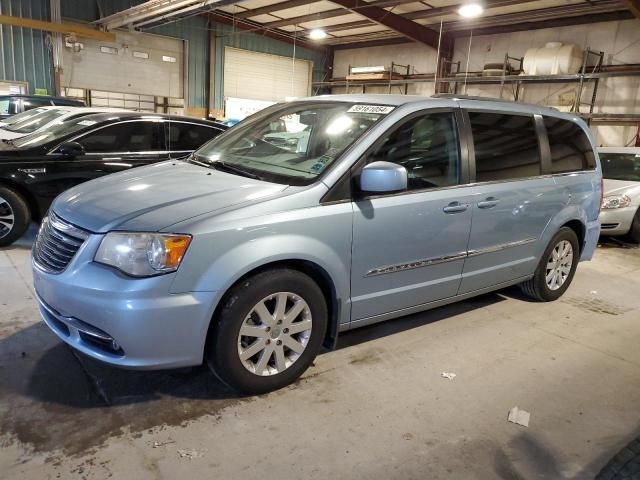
{"points": [[489, 202], [455, 207]]}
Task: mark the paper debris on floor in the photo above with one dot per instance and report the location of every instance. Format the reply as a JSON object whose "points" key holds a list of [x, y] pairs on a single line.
{"points": [[162, 444], [449, 375], [190, 454], [521, 417]]}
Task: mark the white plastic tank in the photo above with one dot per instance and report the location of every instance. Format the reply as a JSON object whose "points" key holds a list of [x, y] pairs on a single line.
{"points": [[553, 59]]}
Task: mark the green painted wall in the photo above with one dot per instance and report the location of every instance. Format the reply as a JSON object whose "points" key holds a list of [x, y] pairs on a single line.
{"points": [[24, 55]]}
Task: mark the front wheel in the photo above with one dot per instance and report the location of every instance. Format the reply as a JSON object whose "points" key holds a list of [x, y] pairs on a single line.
{"points": [[556, 268], [268, 332], [14, 216], [634, 232]]}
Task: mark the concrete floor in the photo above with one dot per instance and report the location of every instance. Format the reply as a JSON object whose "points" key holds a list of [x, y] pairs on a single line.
{"points": [[375, 408]]}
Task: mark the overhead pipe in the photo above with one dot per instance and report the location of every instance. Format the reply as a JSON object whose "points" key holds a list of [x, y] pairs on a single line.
{"points": [[201, 4], [129, 18]]}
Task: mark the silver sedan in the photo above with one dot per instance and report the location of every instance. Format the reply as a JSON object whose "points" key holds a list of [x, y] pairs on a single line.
{"points": [[620, 213]]}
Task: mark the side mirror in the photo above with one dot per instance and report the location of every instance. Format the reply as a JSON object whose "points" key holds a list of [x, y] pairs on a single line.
{"points": [[383, 177], [71, 149]]}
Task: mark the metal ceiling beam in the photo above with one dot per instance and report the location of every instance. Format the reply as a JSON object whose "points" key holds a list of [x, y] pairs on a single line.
{"points": [[514, 22], [258, 29], [401, 25], [551, 23], [634, 7], [430, 13], [78, 30], [338, 12], [275, 7], [460, 29]]}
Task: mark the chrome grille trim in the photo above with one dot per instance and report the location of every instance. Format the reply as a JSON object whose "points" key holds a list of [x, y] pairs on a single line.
{"points": [[56, 244]]}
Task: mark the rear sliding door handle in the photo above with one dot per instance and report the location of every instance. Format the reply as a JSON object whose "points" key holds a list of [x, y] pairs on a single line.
{"points": [[488, 203], [455, 207]]}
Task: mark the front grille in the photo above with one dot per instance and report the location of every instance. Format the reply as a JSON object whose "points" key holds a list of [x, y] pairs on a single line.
{"points": [[57, 243]]}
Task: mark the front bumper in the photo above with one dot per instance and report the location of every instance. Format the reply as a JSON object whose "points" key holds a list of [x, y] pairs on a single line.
{"points": [[91, 306], [617, 221]]}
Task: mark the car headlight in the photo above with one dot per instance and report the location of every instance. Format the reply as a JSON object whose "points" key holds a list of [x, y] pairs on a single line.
{"points": [[616, 201], [142, 254]]}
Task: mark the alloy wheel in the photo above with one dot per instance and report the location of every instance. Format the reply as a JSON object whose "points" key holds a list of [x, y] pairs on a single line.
{"points": [[274, 334], [559, 265], [7, 218]]}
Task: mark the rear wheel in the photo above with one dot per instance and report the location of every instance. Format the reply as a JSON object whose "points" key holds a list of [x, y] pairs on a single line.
{"points": [[269, 330], [556, 268], [634, 232], [14, 216]]}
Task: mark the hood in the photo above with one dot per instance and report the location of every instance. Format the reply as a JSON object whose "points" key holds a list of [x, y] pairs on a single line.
{"points": [[153, 197], [621, 187]]}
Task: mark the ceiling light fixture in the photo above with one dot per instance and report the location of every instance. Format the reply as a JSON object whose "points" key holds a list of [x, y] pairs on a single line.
{"points": [[470, 10], [317, 34]]}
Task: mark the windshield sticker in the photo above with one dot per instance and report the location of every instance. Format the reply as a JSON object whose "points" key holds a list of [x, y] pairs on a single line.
{"points": [[383, 109], [87, 123]]}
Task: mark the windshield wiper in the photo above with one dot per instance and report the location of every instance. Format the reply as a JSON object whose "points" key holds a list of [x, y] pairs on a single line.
{"points": [[232, 168]]}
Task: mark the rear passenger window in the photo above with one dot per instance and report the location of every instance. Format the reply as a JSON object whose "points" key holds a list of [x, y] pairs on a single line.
{"points": [[187, 136], [427, 146], [123, 138], [506, 146], [569, 145]]}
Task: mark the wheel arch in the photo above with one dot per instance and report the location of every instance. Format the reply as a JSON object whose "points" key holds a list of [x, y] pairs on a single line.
{"points": [[580, 230], [314, 271], [32, 203]]}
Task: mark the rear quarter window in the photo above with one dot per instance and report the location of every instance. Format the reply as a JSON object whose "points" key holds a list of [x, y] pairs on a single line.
{"points": [[570, 148]]}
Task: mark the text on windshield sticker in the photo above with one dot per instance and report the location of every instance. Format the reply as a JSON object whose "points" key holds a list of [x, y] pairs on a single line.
{"points": [[384, 109]]}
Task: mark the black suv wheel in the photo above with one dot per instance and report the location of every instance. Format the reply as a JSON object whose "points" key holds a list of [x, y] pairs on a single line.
{"points": [[14, 216]]}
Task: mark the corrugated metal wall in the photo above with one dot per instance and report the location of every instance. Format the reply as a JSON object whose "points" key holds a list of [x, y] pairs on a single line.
{"points": [[24, 55], [227, 36]]}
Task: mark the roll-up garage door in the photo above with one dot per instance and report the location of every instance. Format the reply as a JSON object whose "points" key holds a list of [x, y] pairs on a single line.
{"points": [[260, 76], [130, 71]]}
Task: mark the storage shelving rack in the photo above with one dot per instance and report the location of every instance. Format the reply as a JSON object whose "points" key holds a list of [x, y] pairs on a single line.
{"points": [[590, 73]]}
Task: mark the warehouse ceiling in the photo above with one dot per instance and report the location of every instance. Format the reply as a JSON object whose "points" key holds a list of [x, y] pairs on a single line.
{"points": [[356, 23]]}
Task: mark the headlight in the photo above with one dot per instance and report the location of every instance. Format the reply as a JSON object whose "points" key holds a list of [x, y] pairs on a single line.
{"points": [[616, 201], [142, 254]]}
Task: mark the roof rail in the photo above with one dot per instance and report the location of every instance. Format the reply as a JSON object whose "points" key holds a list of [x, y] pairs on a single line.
{"points": [[470, 97], [453, 96]]}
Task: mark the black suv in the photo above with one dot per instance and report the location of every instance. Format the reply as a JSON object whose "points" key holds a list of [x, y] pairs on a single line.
{"points": [[12, 104], [35, 168]]}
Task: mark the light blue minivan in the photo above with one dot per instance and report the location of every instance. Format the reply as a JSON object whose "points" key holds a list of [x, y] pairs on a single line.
{"points": [[313, 217]]}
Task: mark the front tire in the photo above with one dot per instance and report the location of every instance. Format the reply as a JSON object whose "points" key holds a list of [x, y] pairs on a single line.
{"points": [[556, 268], [268, 332], [14, 216]]}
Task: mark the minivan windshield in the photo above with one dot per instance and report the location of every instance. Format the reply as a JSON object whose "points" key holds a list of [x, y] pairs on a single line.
{"points": [[290, 143], [54, 132], [621, 166], [33, 123]]}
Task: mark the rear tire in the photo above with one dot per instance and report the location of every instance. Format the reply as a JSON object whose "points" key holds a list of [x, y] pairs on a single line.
{"points": [[556, 268], [268, 332], [14, 216], [634, 231]]}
